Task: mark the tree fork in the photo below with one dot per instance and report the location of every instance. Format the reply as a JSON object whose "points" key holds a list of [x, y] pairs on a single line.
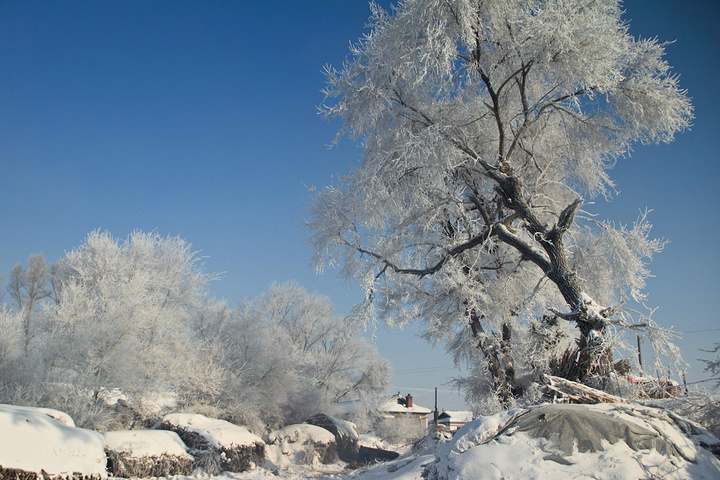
{"points": [[590, 358]]}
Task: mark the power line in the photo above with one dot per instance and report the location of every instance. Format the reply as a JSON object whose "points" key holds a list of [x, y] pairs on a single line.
{"points": [[424, 391], [426, 369], [703, 381], [700, 331]]}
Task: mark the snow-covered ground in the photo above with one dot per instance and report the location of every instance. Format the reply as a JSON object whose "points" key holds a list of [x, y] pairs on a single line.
{"points": [[612, 442]]}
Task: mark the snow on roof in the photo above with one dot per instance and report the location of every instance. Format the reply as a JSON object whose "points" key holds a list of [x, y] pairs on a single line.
{"points": [[456, 415], [146, 443], [33, 441], [397, 404], [218, 433]]}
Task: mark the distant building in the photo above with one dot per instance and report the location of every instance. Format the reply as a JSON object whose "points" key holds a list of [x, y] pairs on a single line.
{"points": [[452, 420], [400, 407]]}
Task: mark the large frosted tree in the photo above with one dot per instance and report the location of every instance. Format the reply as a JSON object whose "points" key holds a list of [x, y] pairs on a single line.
{"points": [[485, 125]]}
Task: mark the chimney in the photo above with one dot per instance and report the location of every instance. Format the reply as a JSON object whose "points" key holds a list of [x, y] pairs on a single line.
{"points": [[408, 401]]}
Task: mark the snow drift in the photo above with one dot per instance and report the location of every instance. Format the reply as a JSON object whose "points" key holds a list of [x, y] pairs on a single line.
{"points": [[607, 441]]}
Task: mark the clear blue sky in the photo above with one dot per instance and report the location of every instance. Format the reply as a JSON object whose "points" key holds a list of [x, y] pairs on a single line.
{"points": [[199, 119]]}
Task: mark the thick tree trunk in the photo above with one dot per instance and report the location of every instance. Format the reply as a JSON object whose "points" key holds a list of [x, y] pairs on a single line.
{"points": [[593, 356]]}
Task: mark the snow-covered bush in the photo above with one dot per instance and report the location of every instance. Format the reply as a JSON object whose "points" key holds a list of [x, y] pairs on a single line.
{"points": [[700, 406]]}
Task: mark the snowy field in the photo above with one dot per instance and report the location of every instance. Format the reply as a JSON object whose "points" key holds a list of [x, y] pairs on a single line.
{"points": [[604, 442]]}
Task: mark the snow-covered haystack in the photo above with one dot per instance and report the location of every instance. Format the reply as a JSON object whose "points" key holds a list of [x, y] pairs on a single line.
{"points": [[606, 441], [346, 435], [301, 444], [33, 444], [146, 453], [217, 445]]}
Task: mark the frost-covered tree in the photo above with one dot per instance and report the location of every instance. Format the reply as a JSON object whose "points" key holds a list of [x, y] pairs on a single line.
{"points": [[123, 320], [10, 339], [286, 356], [326, 348], [485, 125], [28, 287], [712, 365], [257, 377]]}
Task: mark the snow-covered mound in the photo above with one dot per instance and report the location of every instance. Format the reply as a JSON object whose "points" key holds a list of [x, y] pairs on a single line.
{"points": [[147, 453], [33, 441], [218, 433], [301, 444], [301, 433], [219, 445], [607, 441]]}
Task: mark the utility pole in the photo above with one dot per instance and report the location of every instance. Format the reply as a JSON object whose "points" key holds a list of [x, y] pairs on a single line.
{"points": [[435, 413]]}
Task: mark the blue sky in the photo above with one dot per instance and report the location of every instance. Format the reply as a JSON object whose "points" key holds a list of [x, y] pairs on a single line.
{"points": [[199, 119]]}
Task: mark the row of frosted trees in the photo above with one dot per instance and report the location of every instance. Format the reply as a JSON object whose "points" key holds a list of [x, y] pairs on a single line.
{"points": [[118, 332]]}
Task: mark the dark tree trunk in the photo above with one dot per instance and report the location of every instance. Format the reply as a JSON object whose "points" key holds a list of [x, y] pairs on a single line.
{"points": [[498, 354], [592, 356]]}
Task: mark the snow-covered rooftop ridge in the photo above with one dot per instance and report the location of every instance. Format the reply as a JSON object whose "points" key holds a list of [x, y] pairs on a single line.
{"points": [[399, 404], [33, 441], [218, 433]]}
